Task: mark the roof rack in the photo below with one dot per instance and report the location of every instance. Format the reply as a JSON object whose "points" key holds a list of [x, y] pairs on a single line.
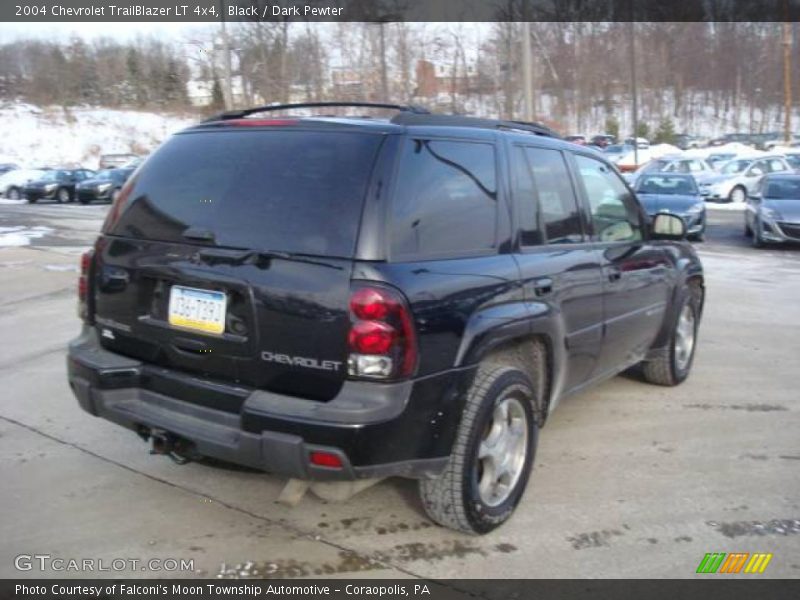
{"points": [[239, 114], [407, 118]]}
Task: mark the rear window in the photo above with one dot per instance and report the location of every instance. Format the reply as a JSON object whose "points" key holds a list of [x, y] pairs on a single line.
{"points": [[292, 191]]}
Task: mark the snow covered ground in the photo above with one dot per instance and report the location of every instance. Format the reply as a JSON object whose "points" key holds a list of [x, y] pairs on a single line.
{"points": [[52, 135]]}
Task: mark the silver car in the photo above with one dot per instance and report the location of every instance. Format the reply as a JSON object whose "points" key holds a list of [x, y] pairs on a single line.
{"points": [[738, 178], [772, 212], [671, 163]]}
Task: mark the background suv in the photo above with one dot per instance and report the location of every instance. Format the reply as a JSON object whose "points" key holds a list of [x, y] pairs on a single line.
{"points": [[333, 298]]}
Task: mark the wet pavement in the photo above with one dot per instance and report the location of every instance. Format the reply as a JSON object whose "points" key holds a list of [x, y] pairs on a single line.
{"points": [[631, 480]]}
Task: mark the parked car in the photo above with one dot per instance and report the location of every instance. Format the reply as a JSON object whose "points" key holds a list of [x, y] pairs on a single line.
{"points": [[738, 177], [684, 141], [675, 194], [728, 138], [11, 183], [111, 161], [773, 144], [333, 300], [103, 185], [641, 143], [579, 139], [55, 184], [671, 163], [6, 167], [717, 159], [772, 212], [603, 141]]}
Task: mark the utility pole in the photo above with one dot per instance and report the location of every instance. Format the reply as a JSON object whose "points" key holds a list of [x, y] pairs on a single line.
{"points": [[227, 86], [787, 83], [527, 70], [384, 76], [634, 94]]}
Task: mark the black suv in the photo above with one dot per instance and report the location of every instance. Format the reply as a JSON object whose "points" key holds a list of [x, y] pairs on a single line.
{"points": [[332, 298]]}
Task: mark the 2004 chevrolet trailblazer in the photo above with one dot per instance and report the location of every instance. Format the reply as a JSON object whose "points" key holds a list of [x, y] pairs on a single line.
{"points": [[331, 298]]}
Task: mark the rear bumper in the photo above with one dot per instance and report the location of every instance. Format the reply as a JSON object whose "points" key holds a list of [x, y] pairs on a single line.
{"points": [[377, 430]]}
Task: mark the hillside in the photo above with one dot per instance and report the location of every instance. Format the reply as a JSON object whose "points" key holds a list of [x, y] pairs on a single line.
{"points": [[35, 136]]}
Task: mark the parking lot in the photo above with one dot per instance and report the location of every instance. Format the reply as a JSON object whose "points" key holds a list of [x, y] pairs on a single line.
{"points": [[630, 480]]}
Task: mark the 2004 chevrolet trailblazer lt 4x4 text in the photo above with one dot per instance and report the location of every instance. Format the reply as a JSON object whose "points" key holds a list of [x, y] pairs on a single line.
{"points": [[349, 298]]}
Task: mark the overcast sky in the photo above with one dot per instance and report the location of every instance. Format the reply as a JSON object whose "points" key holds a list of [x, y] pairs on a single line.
{"points": [[10, 32]]}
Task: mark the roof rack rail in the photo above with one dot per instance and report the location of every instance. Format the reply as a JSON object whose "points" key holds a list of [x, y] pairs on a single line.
{"points": [[463, 121], [239, 114]]}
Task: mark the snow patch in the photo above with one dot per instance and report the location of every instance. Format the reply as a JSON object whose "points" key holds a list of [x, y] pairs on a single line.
{"points": [[52, 135], [21, 236]]}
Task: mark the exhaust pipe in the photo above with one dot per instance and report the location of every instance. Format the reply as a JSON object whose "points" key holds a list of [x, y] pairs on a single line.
{"points": [[179, 450]]}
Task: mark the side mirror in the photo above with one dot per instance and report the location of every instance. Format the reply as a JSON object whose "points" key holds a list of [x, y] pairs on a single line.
{"points": [[668, 227]]}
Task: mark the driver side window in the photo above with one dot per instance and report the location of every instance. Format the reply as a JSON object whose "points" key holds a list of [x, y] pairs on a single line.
{"points": [[615, 217]]}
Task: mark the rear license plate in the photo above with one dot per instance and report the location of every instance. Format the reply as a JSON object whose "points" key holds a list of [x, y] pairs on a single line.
{"points": [[201, 310]]}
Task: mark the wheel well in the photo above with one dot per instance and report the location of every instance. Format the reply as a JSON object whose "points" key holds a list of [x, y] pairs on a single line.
{"points": [[697, 289], [533, 356]]}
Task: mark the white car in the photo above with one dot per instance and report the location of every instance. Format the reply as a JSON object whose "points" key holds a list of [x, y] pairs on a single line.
{"points": [[11, 183], [672, 164], [739, 177]]}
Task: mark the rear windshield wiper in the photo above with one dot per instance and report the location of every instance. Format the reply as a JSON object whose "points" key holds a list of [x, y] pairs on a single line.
{"points": [[198, 233], [260, 258]]}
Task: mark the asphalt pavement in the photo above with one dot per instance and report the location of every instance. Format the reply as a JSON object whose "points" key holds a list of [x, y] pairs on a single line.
{"points": [[630, 480]]}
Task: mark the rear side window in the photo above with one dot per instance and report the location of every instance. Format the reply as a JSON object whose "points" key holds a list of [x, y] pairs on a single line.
{"points": [[546, 199], [445, 201], [294, 191]]}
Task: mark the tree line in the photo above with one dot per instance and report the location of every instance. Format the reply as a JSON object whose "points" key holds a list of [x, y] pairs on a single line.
{"points": [[720, 76]]}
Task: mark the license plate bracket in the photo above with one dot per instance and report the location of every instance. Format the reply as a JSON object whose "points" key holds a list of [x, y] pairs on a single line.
{"points": [[197, 309]]}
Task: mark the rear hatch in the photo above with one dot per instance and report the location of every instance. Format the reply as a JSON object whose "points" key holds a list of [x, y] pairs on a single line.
{"points": [[229, 255]]}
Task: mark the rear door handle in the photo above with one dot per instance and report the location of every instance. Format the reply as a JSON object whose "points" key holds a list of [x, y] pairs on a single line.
{"points": [[543, 286]]}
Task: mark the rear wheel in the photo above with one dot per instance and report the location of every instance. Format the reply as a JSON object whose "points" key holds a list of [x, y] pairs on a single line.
{"points": [[672, 363], [14, 194], [492, 456]]}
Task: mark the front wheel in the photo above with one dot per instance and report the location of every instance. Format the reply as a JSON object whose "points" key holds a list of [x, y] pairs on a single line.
{"points": [[672, 363], [492, 456], [62, 195], [737, 195], [756, 239]]}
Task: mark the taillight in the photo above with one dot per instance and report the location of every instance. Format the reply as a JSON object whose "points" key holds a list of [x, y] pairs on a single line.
{"points": [[83, 284], [118, 206], [382, 340]]}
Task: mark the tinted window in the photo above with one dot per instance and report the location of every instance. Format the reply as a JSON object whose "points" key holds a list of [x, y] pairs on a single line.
{"points": [[666, 184], [783, 189], [614, 214], [277, 190], [446, 199], [558, 210]]}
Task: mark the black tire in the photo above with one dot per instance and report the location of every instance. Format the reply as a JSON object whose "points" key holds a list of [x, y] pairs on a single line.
{"points": [[453, 499], [757, 240], [31, 200], [736, 191], [664, 367]]}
